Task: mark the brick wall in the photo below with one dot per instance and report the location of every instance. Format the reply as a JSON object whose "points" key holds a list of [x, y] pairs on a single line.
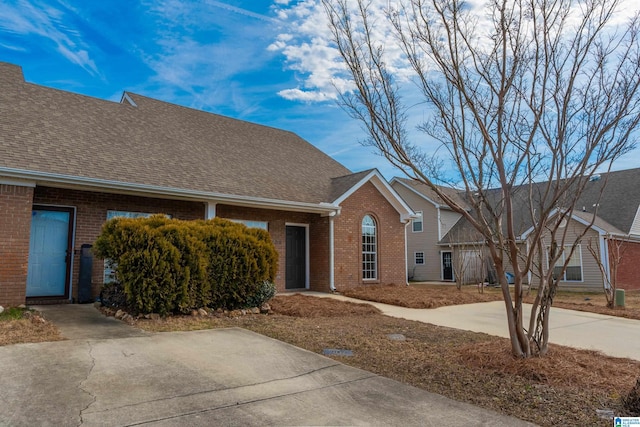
{"points": [[348, 243], [15, 227], [277, 220], [91, 213], [629, 266]]}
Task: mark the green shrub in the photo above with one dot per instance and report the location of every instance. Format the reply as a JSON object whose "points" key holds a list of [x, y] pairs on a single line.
{"points": [[167, 265], [266, 291]]}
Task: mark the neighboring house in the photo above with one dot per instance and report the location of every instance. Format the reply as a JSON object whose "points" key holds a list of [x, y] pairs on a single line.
{"points": [[448, 243], [425, 258], [68, 162]]}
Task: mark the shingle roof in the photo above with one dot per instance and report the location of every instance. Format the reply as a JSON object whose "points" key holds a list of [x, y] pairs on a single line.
{"points": [[426, 191], [342, 184], [617, 205], [156, 143]]}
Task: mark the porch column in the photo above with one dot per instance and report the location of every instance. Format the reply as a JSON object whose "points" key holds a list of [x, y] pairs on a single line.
{"points": [[211, 210]]}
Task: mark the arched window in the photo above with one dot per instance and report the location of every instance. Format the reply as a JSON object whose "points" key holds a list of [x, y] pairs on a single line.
{"points": [[369, 248]]}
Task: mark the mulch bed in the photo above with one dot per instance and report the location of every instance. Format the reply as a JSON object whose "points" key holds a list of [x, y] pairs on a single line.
{"points": [[414, 297]]}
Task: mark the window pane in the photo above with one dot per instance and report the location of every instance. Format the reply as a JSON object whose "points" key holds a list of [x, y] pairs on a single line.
{"points": [[417, 223], [369, 248], [573, 273]]}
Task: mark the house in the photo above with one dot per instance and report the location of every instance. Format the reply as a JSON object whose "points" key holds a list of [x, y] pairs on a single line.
{"points": [[69, 162], [440, 242]]}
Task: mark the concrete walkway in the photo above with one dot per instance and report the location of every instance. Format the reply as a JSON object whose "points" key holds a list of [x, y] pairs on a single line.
{"points": [[84, 321], [202, 378], [614, 336]]}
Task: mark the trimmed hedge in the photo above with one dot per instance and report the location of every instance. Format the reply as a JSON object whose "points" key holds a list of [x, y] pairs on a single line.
{"points": [[172, 266]]}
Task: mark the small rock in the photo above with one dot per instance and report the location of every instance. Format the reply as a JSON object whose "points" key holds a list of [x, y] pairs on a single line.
{"points": [[154, 316], [1, 309], [606, 414], [202, 312], [255, 310], [266, 308], [235, 313], [22, 306], [244, 312], [97, 304], [194, 313], [119, 314], [396, 337], [26, 314]]}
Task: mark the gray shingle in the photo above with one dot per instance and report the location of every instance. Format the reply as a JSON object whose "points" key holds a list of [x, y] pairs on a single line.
{"points": [[156, 143]]}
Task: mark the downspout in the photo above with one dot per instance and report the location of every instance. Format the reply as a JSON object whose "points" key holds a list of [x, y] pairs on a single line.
{"points": [[604, 259], [332, 284], [406, 255]]}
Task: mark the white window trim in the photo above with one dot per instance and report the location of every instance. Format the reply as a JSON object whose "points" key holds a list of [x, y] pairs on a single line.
{"points": [[564, 273], [415, 221], [415, 258], [376, 252]]}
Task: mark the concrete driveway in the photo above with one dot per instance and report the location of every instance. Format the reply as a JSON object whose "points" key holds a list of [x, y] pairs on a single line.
{"points": [[212, 377], [614, 336]]}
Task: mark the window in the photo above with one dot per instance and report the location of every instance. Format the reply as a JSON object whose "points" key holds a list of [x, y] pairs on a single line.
{"points": [[419, 258], [417, 223], [253, 224], [573, 273], [369, 248]]}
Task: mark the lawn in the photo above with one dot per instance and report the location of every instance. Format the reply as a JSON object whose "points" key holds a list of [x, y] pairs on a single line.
{"points": [[566, 387]]}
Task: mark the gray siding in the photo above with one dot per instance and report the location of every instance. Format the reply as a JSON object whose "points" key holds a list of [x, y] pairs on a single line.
{"points": [[425, 241]]}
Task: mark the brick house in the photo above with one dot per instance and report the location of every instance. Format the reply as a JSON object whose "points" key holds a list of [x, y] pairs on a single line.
{"points": [[69, 162], [439, 241]]}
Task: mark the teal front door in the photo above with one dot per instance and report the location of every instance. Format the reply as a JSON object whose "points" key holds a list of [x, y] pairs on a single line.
{"points": [[50, 252]]}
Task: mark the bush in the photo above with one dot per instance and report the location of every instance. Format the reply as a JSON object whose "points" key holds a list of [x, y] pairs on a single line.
{"points": [[266, 291], [169, 266]]}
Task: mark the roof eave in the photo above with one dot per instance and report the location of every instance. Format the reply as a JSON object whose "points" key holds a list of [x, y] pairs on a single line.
{"points": [[85, 183]]}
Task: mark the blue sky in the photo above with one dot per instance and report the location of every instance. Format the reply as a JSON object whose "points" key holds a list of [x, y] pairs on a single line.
{"points": [[268, 62], [211, 55]]}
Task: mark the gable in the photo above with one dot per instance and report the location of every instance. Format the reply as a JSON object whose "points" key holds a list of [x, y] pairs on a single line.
{"points": [[383, 188]]}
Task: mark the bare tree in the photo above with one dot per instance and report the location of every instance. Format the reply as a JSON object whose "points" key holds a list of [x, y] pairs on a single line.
{"points": [[615, 246], [529, 98]]}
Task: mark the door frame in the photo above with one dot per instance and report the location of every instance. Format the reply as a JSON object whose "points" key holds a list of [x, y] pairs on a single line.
{"points": [[453, 274], [306, 252], [71, 238]]}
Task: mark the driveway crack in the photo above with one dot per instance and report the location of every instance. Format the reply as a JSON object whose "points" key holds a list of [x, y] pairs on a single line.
{"points": [[81, 385]]}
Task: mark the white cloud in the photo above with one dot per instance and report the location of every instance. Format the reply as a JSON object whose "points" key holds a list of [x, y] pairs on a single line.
{"points": [[305, 42], [25, 18]]}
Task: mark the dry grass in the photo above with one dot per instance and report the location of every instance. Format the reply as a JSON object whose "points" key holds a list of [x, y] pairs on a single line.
{"points": [[564, 388], [422, 296], [27, 328]]}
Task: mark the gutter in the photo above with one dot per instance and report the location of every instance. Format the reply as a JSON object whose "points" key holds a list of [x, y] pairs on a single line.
{"points": [[326, 209]]}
